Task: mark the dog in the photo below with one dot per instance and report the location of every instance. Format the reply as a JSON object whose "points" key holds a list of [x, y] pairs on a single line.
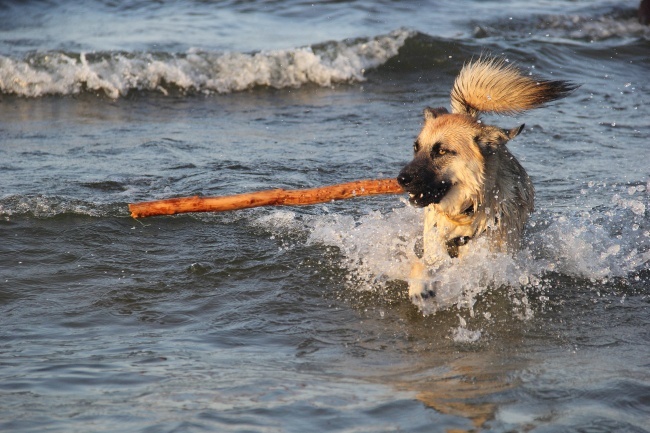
{"points": [[462, 173]]}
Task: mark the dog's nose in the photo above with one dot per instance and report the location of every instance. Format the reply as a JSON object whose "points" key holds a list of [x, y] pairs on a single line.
{"points": [[404, 178]]}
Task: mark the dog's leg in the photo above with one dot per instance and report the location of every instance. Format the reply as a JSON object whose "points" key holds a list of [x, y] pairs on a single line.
{"points": [[420, 286]]}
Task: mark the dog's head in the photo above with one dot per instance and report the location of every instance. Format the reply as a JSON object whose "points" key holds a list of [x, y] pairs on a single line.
{"points": [[449, 160]]}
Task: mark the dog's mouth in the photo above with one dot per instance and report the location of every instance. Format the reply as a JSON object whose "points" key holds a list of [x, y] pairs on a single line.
{"points": [[422, 184], [423, 198]]}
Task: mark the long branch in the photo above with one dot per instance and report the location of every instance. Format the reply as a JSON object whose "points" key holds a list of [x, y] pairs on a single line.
{"points": [[274, 197]]}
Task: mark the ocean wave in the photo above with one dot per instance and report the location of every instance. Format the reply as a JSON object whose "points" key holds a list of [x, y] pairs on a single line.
{"points": [[115, 74], [613, 25], [43, 207]]}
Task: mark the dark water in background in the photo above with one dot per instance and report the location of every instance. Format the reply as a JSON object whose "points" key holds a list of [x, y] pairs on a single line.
{"points": [[296, 319]]}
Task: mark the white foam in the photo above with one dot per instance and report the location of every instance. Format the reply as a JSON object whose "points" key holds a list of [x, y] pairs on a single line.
{"points": [[599, 28], [41, 206], [115, 74]]}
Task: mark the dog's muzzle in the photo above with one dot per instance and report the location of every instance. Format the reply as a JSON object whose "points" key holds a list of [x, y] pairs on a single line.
{"points": [[421, 184]]}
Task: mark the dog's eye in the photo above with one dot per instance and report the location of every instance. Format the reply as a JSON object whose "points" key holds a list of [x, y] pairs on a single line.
{"points": [[437, 150]]}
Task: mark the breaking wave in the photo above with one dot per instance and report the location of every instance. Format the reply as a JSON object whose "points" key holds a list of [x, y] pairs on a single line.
{"points": [[115, 74]]}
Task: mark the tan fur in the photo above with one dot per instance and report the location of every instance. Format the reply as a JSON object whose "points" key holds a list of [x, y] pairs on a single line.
{"points": [[462, 172], [494, 86]]}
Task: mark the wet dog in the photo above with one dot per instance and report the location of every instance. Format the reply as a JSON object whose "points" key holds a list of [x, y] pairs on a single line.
{"points": [[462, 172]]}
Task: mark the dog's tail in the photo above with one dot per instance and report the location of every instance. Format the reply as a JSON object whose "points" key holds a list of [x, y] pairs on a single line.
{"points": [[491, 85]]}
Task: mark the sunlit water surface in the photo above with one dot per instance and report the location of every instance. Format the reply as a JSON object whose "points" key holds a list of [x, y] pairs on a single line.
{"points": [[297, 319]]}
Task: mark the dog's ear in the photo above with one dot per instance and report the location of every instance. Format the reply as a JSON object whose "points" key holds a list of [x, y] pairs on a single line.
{"points": [[512, 133], [432, 113], [493, 136]]}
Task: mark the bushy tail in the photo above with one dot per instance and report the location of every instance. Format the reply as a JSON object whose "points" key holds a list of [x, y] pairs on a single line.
{"points": [[491, 85]]}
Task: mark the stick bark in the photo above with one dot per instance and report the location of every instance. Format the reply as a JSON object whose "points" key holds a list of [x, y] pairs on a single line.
{"points": [[274, 197]]}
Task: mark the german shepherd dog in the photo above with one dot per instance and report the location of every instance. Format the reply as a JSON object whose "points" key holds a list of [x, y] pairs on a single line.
{"points": [[462, 172]]}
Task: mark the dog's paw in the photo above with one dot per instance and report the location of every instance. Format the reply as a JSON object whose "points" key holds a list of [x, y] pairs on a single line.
{"points": [[423, 296], [420, 287], [429, 292], [421, 290]]}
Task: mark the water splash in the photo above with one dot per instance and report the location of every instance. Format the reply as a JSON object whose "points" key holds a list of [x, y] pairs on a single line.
{"points": [[463, 335], [594, 245]]}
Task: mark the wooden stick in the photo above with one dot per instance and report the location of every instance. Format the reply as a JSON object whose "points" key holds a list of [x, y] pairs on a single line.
{"points": [[274, 197]]}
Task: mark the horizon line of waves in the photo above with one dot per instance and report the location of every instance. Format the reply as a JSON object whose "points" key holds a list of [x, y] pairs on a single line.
{"points": [[115, 74]]}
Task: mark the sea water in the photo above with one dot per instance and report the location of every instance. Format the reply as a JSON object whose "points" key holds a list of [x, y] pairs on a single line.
{"points": [[297, 319]]}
